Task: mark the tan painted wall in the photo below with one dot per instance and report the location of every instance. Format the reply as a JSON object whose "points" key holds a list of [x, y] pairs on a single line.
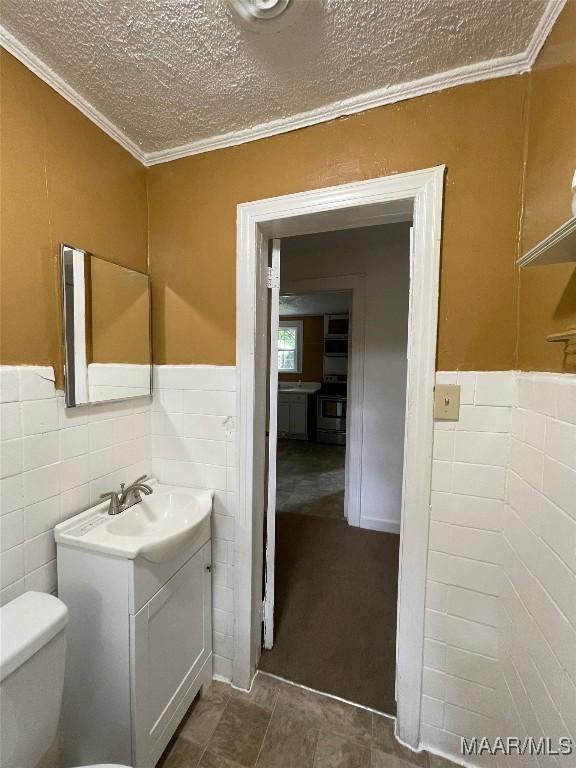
{"points": [[312, 349], [63, 179], [120, 314], [477, 130], [548, 293]]}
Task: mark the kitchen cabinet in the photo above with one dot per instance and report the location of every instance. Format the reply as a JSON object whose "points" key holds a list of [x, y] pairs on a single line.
{"points": [[293, 415]]}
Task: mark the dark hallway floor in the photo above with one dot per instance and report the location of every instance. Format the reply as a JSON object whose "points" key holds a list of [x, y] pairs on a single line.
{"points": [[335, 609], [310, 478]]}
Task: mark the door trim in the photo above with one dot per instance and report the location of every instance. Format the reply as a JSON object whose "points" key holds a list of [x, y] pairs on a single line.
{"points": [[270, 551], [417, 195]]}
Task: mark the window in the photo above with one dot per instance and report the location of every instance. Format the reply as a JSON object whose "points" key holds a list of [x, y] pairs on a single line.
{"points": [[290, 346]]}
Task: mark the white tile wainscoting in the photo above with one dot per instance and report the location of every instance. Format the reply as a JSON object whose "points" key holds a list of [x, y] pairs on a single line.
{"points": [[193, 444], [500, 648], [54, 463], [538, 630]]}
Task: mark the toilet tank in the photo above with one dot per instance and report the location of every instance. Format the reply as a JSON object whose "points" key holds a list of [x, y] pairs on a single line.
{"points": [[32, 656]]}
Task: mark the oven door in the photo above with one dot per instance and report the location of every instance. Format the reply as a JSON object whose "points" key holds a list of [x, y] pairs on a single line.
{"points": [[331, 413]]}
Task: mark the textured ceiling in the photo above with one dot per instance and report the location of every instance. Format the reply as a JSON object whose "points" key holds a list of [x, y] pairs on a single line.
{"points": [[170, 72], [324, 303]]}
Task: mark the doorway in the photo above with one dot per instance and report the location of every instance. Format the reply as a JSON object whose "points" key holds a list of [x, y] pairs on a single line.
{"points": [[336, 582], [417, 196], [313, 353]]}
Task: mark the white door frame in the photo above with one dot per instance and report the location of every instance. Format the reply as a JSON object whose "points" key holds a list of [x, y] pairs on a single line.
{"points": [[355, 285], [270, 550], [375, 201]]}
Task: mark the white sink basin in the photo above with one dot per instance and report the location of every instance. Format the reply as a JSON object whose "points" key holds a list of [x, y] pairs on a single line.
{"points": [[156, 529]]}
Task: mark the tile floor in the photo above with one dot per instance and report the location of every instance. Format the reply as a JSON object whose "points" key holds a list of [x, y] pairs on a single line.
{"points": [[310, 478], [279, 725]]}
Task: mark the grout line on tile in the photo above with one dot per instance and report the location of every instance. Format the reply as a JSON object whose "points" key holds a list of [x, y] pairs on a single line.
{"points": [[268, 724]]}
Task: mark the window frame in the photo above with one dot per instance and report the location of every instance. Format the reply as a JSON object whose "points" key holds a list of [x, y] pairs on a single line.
{"points": [[299, 325]]}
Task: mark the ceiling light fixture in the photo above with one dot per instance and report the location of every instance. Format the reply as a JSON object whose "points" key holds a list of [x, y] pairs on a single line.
{"points": [[259, 10]]}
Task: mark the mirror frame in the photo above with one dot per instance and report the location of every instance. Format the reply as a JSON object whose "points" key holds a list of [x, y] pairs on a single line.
{"points": [[74, 329]]}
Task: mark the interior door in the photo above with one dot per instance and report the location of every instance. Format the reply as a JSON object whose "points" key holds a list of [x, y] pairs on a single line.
{"points": [[274, 285]]}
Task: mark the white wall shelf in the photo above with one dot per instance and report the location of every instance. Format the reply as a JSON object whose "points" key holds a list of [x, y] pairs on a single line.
{"points": [[557, 248], [568, 336]]}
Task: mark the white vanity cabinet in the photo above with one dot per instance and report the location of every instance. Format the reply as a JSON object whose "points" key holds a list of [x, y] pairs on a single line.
{"points": [[139, 648], [170, 639]]}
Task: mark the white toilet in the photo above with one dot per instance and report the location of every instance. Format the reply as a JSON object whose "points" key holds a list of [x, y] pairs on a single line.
{"points": [[32, 656]]}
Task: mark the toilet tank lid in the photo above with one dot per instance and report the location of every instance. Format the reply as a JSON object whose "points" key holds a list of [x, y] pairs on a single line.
{"points": [[26, 624]]}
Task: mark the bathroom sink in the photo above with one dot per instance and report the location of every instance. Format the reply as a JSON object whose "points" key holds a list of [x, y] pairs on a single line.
{"points": [[156, 529]]}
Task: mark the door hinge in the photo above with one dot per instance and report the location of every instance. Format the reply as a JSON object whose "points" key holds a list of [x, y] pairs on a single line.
{"points": [[273, 278], [262, 610]]}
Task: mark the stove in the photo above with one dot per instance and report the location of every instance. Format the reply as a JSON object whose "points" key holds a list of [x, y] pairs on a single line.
{"points": [[331, 404]]}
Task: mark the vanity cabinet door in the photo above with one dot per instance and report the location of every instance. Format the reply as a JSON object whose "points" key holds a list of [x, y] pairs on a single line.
{"points": [[171, 638]]}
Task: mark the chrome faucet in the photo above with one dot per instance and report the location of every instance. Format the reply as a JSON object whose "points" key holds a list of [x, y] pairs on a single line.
{"points": [[127, 497], [131, 495]]}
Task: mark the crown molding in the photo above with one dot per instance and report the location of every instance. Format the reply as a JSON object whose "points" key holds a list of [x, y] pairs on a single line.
{"points": [[472, 73], [45, 73], [547, 21], [491, 69]]}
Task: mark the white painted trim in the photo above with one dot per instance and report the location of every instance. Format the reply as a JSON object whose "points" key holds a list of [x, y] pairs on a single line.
{"points": [[289, 215], [547, 21], [25, 56], [385, 526], [504, 66], [417, 480], [471, 73], [355, 284], [270, 557]]}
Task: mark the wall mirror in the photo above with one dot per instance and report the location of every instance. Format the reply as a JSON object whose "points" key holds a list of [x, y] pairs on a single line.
{"points": [[106, 317]]}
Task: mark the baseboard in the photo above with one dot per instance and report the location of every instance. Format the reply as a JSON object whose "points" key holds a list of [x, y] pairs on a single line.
{"points": [[224, 679], [455, 759], [375, 524]]}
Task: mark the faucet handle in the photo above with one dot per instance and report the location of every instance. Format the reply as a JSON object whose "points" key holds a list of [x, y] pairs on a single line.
{"points": [[140, 480], [114, 507]]}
